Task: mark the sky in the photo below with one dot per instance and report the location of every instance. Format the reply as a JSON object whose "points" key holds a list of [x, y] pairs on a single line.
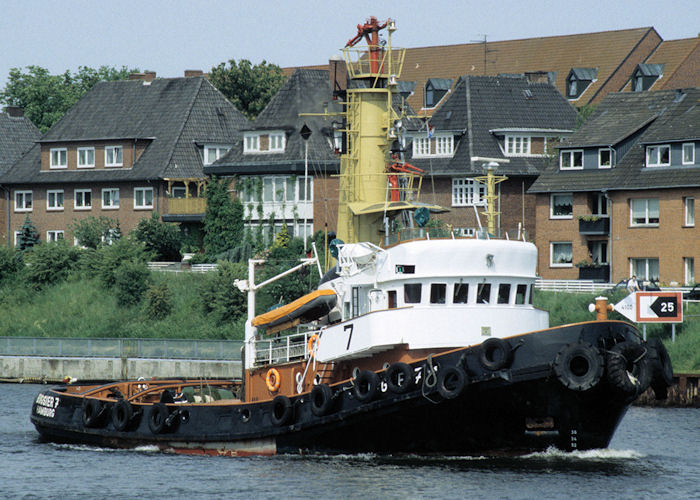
{"points": [[169, 36]]}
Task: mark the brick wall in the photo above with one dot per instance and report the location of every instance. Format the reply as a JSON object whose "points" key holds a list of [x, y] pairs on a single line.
{"points": [[131, 151]]}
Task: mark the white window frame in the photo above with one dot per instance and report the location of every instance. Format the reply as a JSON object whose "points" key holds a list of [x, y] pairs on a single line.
{"points": [[517, 145], [571, 154], [52, 196], [86, 151], [421, 147], [551, 254], [467, 192], [277, 142], [647, 218], [112, 205], [251, 143], [17, 233], [114, 150], [53, 235], [551, 206], [22, 207], [689, 270], [655, 151], [82, 205], [600, 159], [218, 151], [58, 151], [645, 275], [689, 211], [178, 189], [444, 144], [690, 145], [142, 191]]}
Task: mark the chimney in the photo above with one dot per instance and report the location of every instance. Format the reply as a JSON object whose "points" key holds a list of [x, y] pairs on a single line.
{"points": [[137, 76], [193, 72], [14, 111], [149, 76], [537, 76], [338, 75]]}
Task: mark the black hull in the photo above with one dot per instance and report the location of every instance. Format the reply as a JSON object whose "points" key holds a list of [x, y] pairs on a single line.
{"points": [[515, 405]]}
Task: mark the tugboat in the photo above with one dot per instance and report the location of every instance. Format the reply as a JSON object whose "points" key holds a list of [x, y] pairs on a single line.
{"points": [[414, 342]]}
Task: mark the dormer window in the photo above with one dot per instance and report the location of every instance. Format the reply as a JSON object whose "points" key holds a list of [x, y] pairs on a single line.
{"points": [[435, 90], [59, 158], [605, 158], [264, 142], [645, 75], [437, 145], [659, 156], [517, 145], [114, 156], [213, 152], [571, 159], [578, 81]]}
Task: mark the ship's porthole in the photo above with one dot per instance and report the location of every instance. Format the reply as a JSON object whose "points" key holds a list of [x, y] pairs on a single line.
{"points": [[245, 415]]}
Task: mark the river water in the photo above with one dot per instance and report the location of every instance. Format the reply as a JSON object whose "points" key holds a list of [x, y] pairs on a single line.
{"points": [[655, 454]]}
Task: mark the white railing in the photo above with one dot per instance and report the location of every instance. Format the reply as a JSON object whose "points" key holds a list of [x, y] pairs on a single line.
{"points": [[176, 267], [284, 349], [579, 286]]}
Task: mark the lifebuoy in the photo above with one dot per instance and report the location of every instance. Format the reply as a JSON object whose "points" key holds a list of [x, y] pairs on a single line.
{"points": [[281, 410], [157, 417], [399, 378], [628, 368], [273, 380], [451, 382], [122, 413], [365, 386], [313, 340], [579, 366], [93, 411], [495, 354], [321, 399], [661, 368]]}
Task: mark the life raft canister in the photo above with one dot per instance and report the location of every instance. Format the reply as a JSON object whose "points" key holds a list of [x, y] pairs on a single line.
{"points": [[313, 342], [273, 380]]}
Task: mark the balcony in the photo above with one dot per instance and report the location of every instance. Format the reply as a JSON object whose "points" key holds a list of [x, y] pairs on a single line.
{"points": [[185, 210], [595, 272], [594, 225]]}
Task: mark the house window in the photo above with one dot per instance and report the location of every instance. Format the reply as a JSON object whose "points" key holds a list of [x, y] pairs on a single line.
{"points": [[17, 235], [466, 192], [460, 294], [305, 189], [517, 145], [561, 206], [54, 199], [578, 81], [444, 145], [421, 146], [59, 158], [658, 156], [598, 204], [110, 198], [86, 157], [689, 204], [644, 212], [560, 254], [281, 189], [277, 142], [435, 90], [178, 192], [645, 75], [412, 293], [82, 199], [645, 269], [605, 158], [114, 156], [213, 152], [23, 201], [251, 143], [54, 235], [143, 198], [571, 160], [438, 292], [688, 153], [689, 268]]}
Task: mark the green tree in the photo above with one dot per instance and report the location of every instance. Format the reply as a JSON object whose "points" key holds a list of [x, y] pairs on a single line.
{"points": [[28, 235], [107, 259], [160, 238], [131, 280], [159, 301], [11, 263], [93, 232], [223, 219], [50, 263], [249, 87], [45, 98], [219, 295]]}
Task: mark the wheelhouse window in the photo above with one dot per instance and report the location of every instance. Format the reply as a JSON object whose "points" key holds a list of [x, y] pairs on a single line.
{"points": [[467, 192], [517, 145], [412, 293], [59, 158], [213, 152], [658, 156], [460, 294], [644, 212], [391, 299], [110, 198], [689, 153], [605, 156], [54, 199], [503, 293], [689, 205], [483, 293], [114, 156], [561, 254], [86, 157], [646, 269], [561, 206], [571, 159], [23, 201], [82, 199], [521, 294], [143, 198], [438, 292]]}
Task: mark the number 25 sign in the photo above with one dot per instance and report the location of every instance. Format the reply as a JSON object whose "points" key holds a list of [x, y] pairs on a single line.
{"points": [[659, 307]]}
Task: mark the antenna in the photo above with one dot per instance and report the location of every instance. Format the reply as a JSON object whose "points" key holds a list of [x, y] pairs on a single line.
{"points": [[484, 42]]}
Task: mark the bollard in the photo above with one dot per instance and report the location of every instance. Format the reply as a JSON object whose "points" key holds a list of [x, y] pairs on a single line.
{"points": [[601, 308]]}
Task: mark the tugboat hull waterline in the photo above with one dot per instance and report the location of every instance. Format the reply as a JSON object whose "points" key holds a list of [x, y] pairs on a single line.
{"points": [[414, 342]]}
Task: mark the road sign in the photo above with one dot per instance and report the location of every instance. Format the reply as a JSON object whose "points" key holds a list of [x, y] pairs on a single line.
{"points": [[652, 307]]}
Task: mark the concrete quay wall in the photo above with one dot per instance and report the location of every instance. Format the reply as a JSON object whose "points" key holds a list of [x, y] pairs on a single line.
{"points": [[53, 369]]}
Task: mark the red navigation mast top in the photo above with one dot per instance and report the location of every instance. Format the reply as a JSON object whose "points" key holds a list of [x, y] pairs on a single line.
{"points": [[370, 32]]}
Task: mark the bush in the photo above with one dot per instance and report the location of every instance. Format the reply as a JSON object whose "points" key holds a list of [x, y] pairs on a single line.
{"points": [[219, 295], [94, 232], [159, 301], [163, 240], [10, 263], [108, 258], [131, 279], [50, 263]]}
